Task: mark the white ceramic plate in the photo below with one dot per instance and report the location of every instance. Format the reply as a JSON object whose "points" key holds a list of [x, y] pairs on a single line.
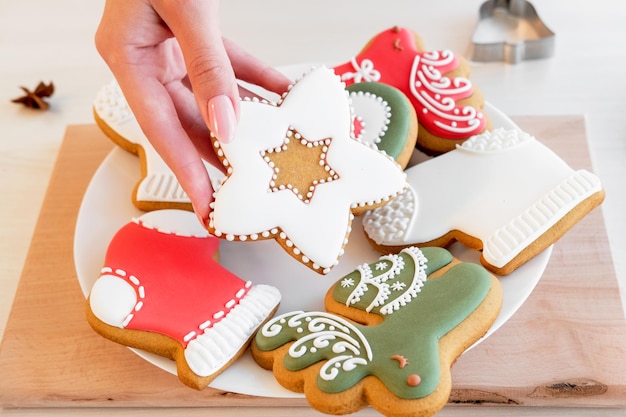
{"points": [[107, 206]]}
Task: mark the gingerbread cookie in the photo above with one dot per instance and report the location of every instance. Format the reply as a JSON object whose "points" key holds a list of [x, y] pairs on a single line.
{"points": [[295, 173], [448, 106], [157, 187], [384, 119], [389, 336], [163, 291], [501, 192]]}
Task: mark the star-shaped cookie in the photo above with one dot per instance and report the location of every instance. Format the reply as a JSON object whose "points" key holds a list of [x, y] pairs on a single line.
{"points": [[502, 192], [311, 224]]}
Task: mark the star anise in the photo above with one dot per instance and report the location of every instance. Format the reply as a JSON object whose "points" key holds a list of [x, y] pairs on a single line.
{"points": [[35, 99]]}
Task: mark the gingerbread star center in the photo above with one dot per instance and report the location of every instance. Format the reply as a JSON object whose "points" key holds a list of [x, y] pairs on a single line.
{"points": [[310, 169]]}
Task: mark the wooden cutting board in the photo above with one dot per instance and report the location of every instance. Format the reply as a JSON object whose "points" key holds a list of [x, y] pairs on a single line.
{"points": [[566, 346]]}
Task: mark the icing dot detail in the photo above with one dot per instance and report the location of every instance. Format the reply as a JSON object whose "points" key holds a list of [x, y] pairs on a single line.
{"points": [[413, 380], [402, 361]]}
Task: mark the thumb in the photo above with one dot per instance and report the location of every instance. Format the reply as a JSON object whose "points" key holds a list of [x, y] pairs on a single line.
{"points": [[195, 25]]}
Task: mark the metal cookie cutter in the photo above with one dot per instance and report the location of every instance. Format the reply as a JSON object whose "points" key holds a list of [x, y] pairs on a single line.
{"points": [[510, 31]]}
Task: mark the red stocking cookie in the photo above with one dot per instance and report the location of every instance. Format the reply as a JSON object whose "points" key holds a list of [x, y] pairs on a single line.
{"points": [[163, 292], [448, 106]]}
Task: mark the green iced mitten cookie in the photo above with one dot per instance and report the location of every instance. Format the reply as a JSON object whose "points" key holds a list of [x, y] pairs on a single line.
{"points": [[389, 337]]}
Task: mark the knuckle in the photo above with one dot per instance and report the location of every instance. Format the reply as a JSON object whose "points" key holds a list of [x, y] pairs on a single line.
{"points": [[102, 42], [206, 68]]}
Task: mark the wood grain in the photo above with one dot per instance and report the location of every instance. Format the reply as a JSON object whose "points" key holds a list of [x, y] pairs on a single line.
{"points": [[564, 347], [566, 344]]}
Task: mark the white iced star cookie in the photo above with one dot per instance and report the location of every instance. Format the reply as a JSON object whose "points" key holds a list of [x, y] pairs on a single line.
{"points": [[295, 173], [501, 192]]}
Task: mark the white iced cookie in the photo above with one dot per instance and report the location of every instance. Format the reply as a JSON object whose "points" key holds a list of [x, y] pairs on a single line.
{"points": [[295, 173], [158, 187], [501, 192]]}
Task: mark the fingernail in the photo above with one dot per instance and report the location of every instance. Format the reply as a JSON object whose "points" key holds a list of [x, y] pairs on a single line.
{"points": [[222, 118], [203, 218]]}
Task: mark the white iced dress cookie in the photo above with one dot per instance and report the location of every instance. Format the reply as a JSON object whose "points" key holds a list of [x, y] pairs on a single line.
{"points": [[158, 187], [502, 192]]}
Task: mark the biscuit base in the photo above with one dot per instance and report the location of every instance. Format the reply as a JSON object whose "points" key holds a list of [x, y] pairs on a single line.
{"points": [[370, 390], [540, 244], [164, 346]]}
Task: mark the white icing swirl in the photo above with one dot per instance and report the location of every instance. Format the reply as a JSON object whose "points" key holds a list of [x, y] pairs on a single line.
{"points": [[437, 94], [363, 72], [323, 330], [496, 140]]}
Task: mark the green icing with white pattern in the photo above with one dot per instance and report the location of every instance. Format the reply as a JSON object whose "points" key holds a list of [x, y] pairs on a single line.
{"points": [[416, 314]]}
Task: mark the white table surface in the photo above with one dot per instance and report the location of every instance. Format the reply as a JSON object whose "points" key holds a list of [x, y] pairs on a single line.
{"points": [[53, 41]]}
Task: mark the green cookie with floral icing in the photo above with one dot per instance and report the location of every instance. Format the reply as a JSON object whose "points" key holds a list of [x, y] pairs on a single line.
{"points": [[392, 331]]}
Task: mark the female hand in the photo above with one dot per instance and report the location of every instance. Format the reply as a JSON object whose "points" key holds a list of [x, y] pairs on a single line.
{"points": [[178, 76]]}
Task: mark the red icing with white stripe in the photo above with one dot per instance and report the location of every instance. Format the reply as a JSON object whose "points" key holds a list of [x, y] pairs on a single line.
{"points": [[393, 58], [197, 295]]}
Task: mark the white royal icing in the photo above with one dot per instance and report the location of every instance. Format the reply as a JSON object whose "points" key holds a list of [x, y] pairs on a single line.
{"points": [[383, 289], [503, 187], [317, 107], [212, 350], [112, 299], [325, 330], [160, 183], [363, 72], [435, 91], [375, 114]]}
